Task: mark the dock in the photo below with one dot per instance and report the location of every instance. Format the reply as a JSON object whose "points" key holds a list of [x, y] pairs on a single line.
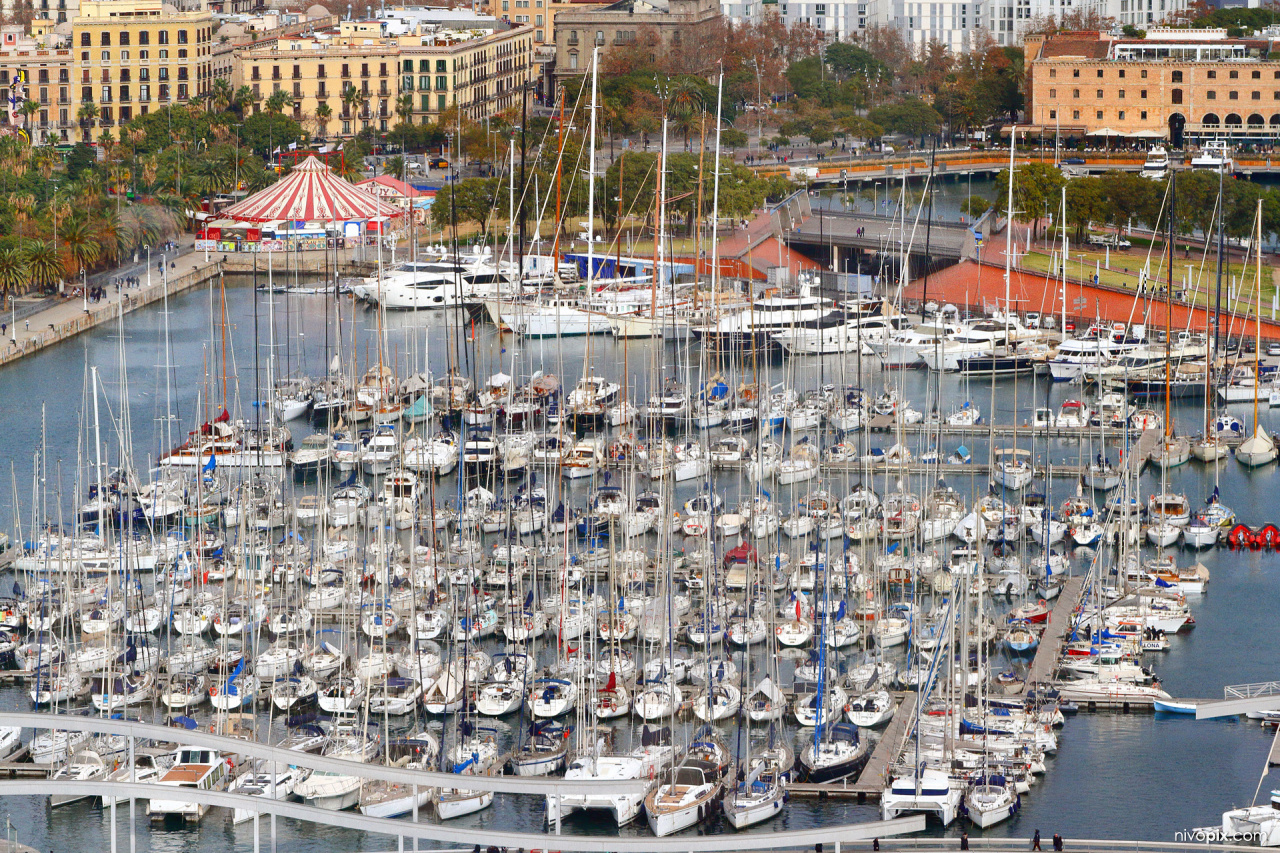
{"points": [[1049, 651], [1147, 442], [1273, 757], [875, 773]]}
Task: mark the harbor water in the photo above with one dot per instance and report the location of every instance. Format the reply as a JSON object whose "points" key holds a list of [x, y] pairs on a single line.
{"points": [[1114, 776]]}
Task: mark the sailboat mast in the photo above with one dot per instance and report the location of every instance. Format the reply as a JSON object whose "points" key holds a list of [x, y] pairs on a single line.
{"points": [[1168, 305]]}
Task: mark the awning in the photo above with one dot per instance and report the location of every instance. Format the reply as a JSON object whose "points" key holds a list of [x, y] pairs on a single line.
{"points": [[1150, 134], [1105, 131]]}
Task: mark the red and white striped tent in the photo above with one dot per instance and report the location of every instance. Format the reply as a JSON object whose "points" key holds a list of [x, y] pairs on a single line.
{"points": [[311, 192]]}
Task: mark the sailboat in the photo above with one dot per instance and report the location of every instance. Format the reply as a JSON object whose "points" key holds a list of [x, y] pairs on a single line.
{"points": [[1259, 448]]}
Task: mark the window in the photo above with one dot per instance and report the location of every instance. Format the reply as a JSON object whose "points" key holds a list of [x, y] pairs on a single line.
{"points": [[1122, 115], [1053, 93], [1177, 77], [1235, 75], [441, 66], [599, 36], [573, 60], [1075, 72], [1099, 73], [1075, 114], [1121, 94], [1099, 94], [124, 92], [424, 83], [124, 57], [86, 40], [106, 56], [1121, 73], [105, 40], [1175, 96], [1143, 115], [441, 102], [164, 73], [144, 55], [320, 73], [426, 102], [144, 74], [163, 37], [382, 70], [182, 53], [1144, 74], [1212, 75], [1256, 96], [1233, 96], [182, 36], [124, 75], [1099, 115], [144, 93], [364, 69], [1075, 93], [162, 53], [1053, 72], [144, 37], [124, 38], [1053, 114], [1211, 95], [1257, 75], [442, 83], [1143, 93], [255, 74]]}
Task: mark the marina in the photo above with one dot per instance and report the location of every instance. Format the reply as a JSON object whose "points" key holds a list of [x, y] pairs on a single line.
{"points": [[471, 546]]}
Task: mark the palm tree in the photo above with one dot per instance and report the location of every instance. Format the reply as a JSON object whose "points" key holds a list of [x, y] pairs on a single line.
{"points": [[82, 248], [323, 113], [684, 103], [393, 166], [220, 94], [88, 117], [277, 101], [13, 272], [241, 99], [44, 267], [350, 97]]}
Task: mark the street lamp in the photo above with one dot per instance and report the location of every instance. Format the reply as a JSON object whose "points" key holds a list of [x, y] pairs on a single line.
{"points": [[84, 290]]}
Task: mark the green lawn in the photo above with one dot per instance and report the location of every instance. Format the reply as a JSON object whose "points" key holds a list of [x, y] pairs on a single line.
{"points": [[1203, 273]]}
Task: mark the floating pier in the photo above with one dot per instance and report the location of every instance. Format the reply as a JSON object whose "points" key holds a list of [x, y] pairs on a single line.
{"points": [[1049, 651], [874, 775]]}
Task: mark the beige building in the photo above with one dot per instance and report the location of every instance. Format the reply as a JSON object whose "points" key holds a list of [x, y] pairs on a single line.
{"points": [[1181, 85], [137, 56], [538, 14], [481, 68], [661, 26], [45, 60]]}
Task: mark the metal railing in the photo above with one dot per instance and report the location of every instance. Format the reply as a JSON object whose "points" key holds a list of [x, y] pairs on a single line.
{"points": [[1248, 691]]}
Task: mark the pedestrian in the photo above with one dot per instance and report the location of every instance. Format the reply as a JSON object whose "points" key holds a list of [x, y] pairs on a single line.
{"points": [[964, 840], [28, 322], [1057, 842], [4, 327], [1035, 841], [875, 844]]}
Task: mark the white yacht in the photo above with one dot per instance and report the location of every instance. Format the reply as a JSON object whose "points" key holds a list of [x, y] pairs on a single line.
{"points": [[929, 791], [1215, 156], [984, 337], [1078, 358], [906, 347], [771, 315], [1157, 166], [868, 332]]}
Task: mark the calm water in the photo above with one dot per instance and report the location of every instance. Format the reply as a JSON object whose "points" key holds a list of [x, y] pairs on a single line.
{"points": [[1114, 776]]}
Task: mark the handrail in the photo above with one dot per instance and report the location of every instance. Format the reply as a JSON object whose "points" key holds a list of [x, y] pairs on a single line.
{"points": [[802, 838], [423, 778]]}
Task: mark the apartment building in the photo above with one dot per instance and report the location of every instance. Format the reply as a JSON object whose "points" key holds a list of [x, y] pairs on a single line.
{"points": [[43, 59], [351, 78], [132, 57]]}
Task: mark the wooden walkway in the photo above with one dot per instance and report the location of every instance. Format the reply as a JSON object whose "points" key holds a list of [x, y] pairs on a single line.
{"points": [[1273, 758], [1141, 454], [874, 775], [1050, 649]]}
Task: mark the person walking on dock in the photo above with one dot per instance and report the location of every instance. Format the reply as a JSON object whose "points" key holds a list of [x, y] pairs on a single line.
{"points": [[1057, 842], [964, 840], [1035, 841]]}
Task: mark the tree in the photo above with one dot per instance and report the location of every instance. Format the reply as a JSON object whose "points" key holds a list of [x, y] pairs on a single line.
{"points": [[277, 101], [350, 97], [44, 268], [1086, 203], [849, 60], [911, 117], [264, 132], [393, 166], [324, 113], [87, 115], [1130, 195], [13, 272], [1036, 189]]}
